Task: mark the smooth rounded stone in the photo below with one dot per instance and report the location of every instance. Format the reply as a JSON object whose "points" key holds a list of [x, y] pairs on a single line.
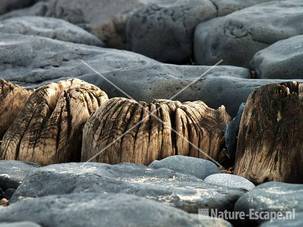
{"points": [[272, 197], [148, 29], [197, 167], [296, 221], [19, 224], [9, 5], [12, 173], [102, 209], [178, 190], [231, 133], [229, 180], [236, 37], [282, 60], [48, 27]]}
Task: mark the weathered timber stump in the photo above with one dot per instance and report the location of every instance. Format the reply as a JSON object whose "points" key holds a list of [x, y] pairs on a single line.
{"points": [[271, 134], [12, 100], [49, 129], [124, 130]]}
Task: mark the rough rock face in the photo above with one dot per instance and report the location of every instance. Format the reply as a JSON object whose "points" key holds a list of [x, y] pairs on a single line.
{"points": [[148, 29], [188, 165], [49, 130], [236, 37], [48, 27], [272, 197], [296, 221], [178, 190], [269, 140], [9, 5], [124, 130], [12, 173], [12, 101], [280, 60], [102, 210], [229, 180]]}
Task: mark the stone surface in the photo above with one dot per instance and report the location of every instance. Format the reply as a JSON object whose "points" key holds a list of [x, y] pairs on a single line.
{"points": [[48, 27], [231, 133], [19, 224], [9, 5], [236, 37], [12, 173], [148, 29], [296, 221], [98, 210], [200, 168], [229, 180], [282, 60], [272, 197], [178, 190]]}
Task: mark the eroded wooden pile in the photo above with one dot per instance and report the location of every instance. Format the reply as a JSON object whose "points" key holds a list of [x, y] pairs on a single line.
{"points": [[270, 137], [49, 127], [12, 100], [124, 130]]}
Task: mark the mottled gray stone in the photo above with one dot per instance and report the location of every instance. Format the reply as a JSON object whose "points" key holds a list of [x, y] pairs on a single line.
{"points": [[166, 33], [272, 197], [231, 133], [197, 167], [12, 173], [236, 38], [282, 60], [229, 180], [178, 190], [296, 221], [48, 27], [9, 5], [98, 210], [19, 224]]}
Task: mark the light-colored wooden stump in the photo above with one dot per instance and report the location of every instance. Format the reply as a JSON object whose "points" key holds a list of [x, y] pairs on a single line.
{"points": [[49, 129], [124, 130], [270, 140], [12, 100]]}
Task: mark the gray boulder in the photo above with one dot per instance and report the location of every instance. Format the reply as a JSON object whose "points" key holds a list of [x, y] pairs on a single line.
{"points": [[12, 173], [231, 133], [178, 190], [48, 27], [19, 224], [166, 33], [281, 60], [236, 38], [272, 197], [291, 221], [197, 167], [229, 180], [9, 5], [98, 210]]}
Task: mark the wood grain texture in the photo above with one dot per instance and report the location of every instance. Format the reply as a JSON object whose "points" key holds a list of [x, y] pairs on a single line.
{"points": [[12, 100], [124, 130], [49, 128], [270, 137]]}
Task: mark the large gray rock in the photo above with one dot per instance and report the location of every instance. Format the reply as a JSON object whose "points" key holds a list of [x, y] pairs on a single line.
{"points": [[236, 37], [291, 221], [98, 210], [281, 60], [12, 173], [197, 167], [166, 33], [19, 224], [272, 197], [48, 27], [182, 191], [8, 5], [229, 180]]}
